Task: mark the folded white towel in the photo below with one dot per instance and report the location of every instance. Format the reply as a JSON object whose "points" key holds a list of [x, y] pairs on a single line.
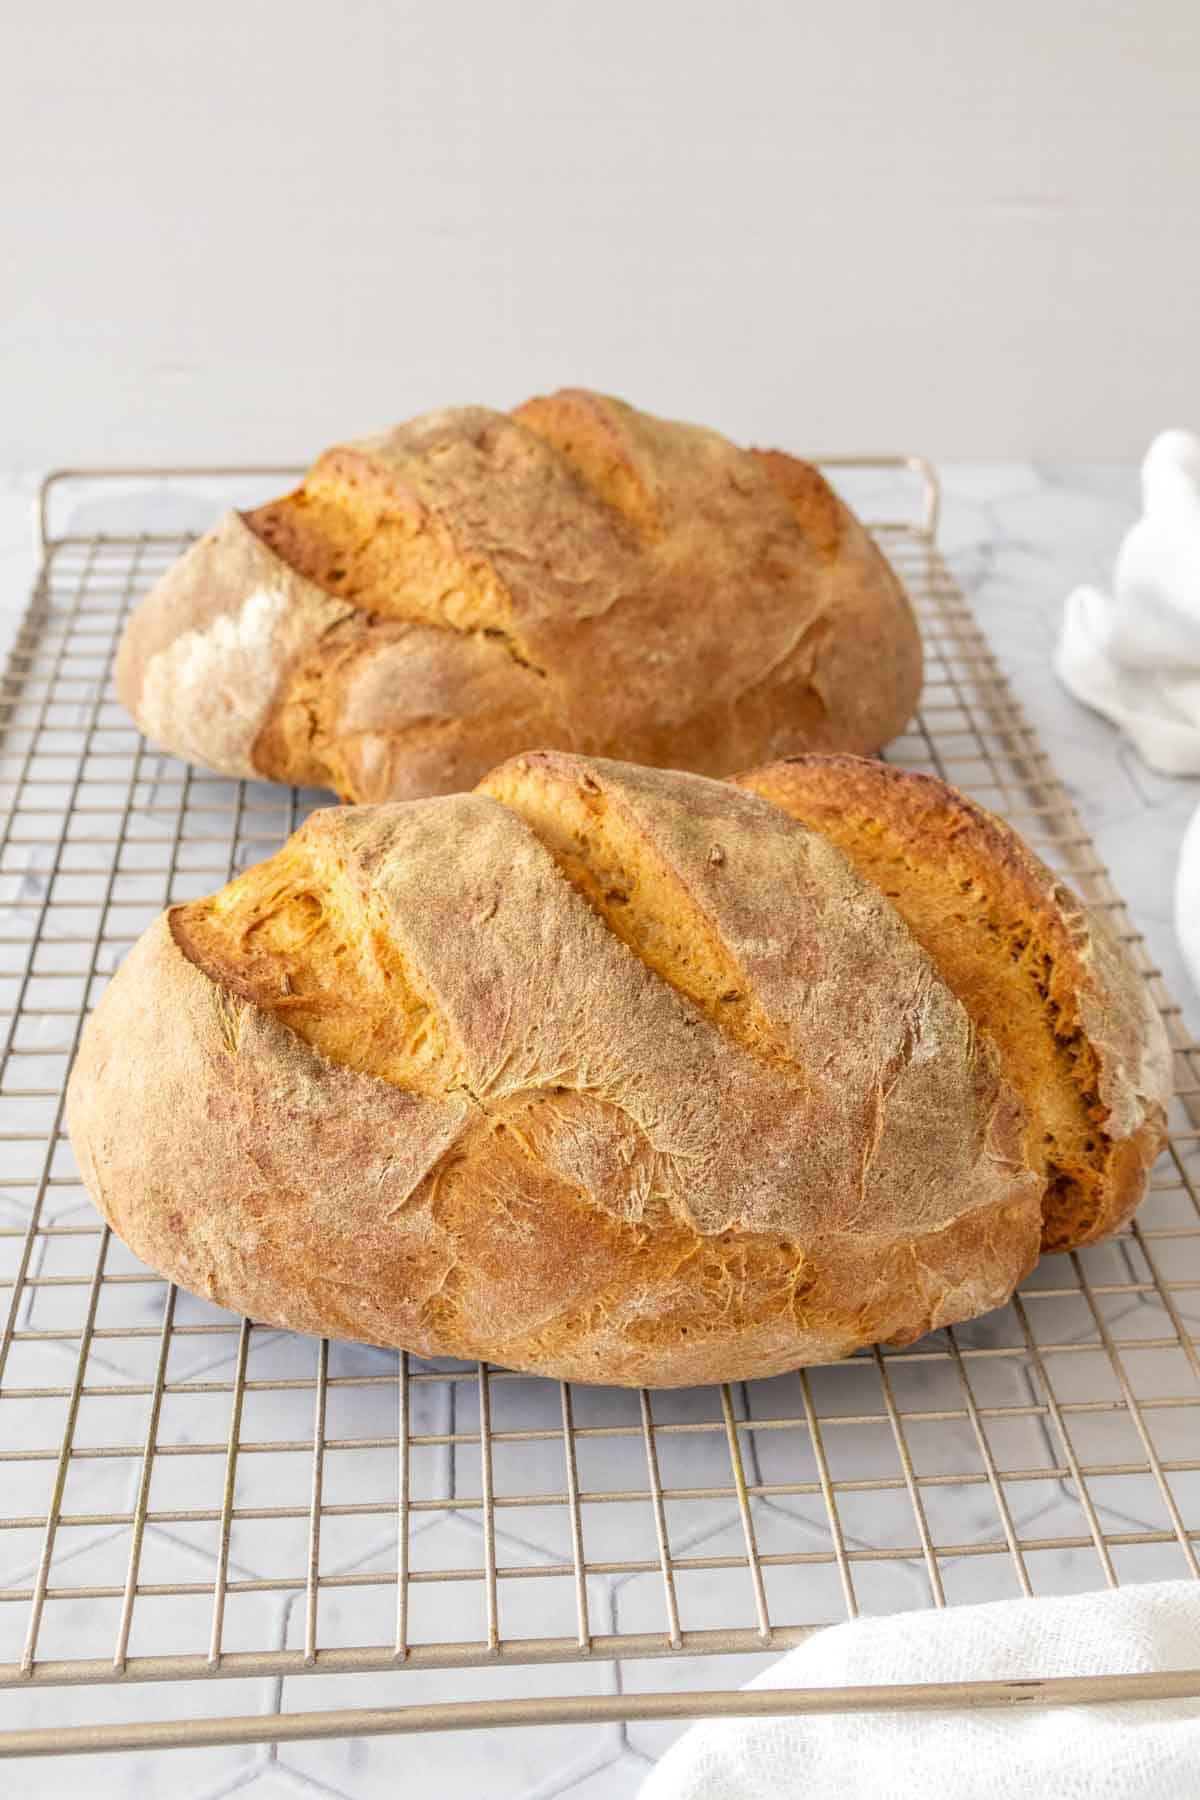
{"points": [[1134, 654], [1115, 1751]]}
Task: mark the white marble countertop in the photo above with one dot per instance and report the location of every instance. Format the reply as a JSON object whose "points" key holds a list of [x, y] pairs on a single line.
{"points": [[1019, 536]]}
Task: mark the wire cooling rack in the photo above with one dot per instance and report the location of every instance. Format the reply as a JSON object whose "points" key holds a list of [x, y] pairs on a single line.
{"points": [[187, 1497]]}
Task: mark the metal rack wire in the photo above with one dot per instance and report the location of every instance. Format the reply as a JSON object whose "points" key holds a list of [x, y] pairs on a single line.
{"points": [[187, 1497]]}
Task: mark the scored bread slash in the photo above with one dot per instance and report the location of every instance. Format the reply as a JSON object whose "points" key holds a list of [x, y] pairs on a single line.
{"points": [[531, 1075], [1077, 1033]]}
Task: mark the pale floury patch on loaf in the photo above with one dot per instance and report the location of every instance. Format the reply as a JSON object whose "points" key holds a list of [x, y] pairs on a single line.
{"points": [[209, 691], [202, 658]]}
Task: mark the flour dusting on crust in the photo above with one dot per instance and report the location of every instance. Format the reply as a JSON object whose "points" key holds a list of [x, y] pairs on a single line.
{"points": [[207, 694], [203, 658]]}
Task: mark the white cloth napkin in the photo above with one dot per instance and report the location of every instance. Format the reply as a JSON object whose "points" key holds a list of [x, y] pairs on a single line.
{"points": [[1116, 1751], [1134, 654]]}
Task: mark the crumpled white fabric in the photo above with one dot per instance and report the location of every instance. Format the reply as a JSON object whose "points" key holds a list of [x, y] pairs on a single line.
{"points": [[1134, 654], [1116, 1751]]}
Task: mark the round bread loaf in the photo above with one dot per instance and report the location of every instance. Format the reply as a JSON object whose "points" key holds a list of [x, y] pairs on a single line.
{"points": [[575, 573], [623, 1075]]}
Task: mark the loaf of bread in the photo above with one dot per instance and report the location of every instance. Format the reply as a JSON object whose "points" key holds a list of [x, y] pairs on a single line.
{"points": [[574, 574], [625, 1075]]}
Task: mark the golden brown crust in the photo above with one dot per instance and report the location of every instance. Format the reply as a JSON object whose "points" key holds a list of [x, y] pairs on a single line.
{"points": [[1077, 1032], [596, 1179], [576, 573]]}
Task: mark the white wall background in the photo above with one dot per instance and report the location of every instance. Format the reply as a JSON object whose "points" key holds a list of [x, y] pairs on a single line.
{"points": [[240, 230]]}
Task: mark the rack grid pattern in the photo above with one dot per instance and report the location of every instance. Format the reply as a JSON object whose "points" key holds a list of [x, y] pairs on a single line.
{"points": [[188, 1497]]}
